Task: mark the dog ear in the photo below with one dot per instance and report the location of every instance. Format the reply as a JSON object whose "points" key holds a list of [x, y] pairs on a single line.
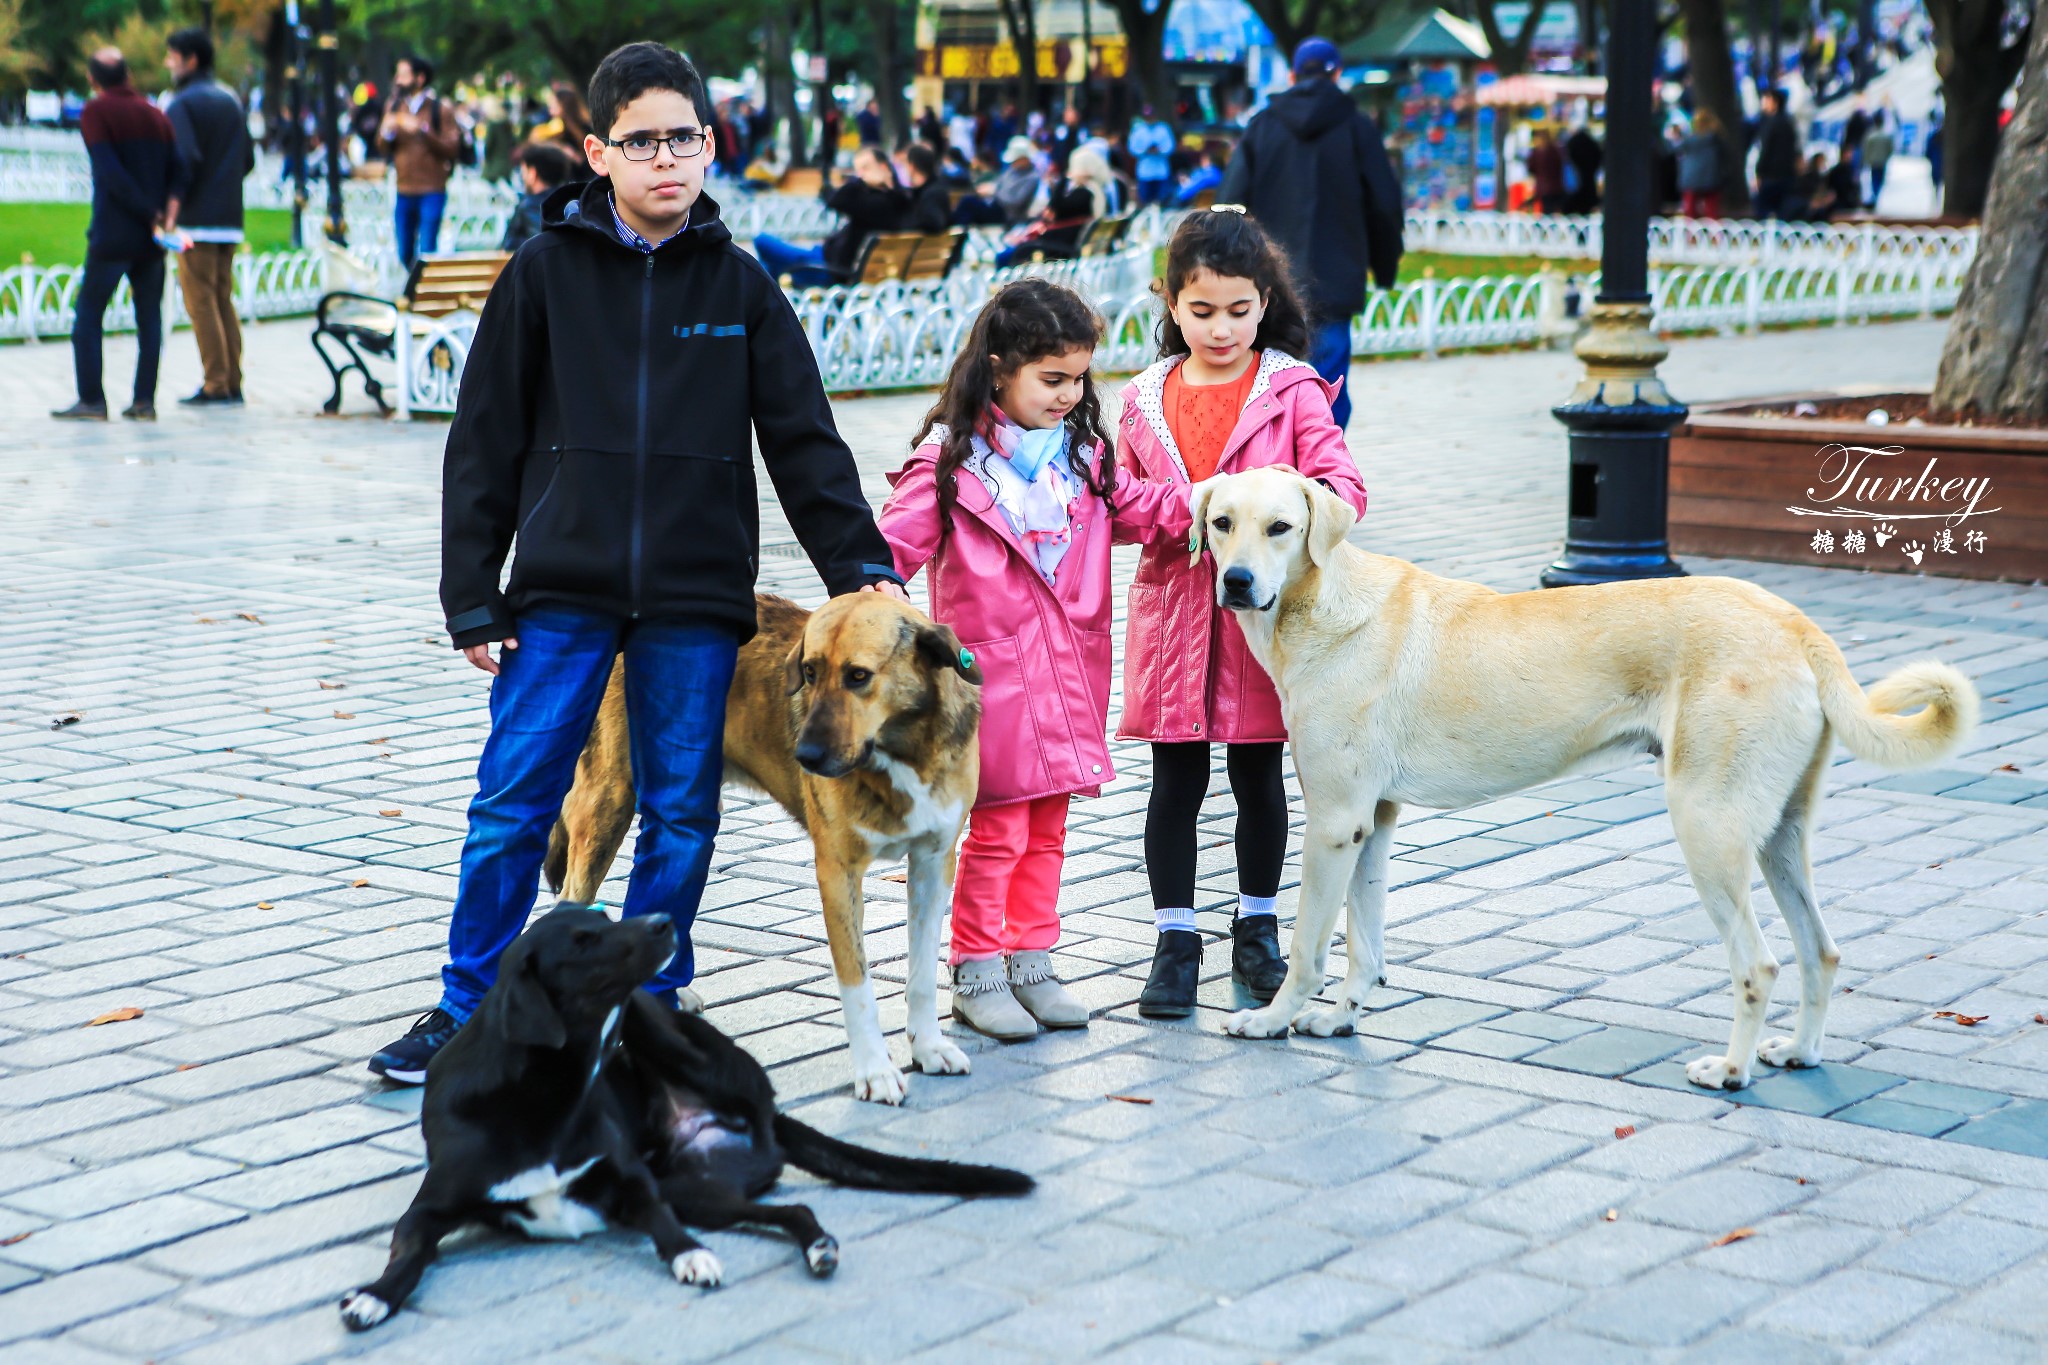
{"points": [[793, 669], [1330, 519], [939, 647], [1198, 513], [527, 1015]]}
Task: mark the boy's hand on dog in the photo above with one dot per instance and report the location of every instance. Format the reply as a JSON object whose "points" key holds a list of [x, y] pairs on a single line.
{"points": [[480, 655], [894, 590]]}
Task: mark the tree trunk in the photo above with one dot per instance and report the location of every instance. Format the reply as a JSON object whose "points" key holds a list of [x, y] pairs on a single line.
{"points": [[780, 78], [1145, 38], [1510, 55], [886, 18], [1996, 356], [1020, 18], [1976, 69], [1713, 85], [1288, 28]]}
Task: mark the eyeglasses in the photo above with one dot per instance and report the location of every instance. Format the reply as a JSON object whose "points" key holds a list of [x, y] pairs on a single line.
{"points": [[680, 145]]}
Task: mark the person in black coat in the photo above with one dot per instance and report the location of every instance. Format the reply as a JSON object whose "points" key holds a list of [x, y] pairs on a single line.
{"points": [[1313, 170], [1582, 154], [931, 205], [1777, 155], [871, 202]]}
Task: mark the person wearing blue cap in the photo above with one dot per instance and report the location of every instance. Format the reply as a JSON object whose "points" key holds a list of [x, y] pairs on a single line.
{"points": [[1313, 170]]}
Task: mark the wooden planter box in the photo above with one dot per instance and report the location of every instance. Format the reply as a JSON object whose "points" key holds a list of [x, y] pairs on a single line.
{"points": [[1802, 490]]}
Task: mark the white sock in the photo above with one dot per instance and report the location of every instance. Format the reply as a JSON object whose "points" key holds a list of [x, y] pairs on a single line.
{"points": [[1247, 906], [1179, 917]]}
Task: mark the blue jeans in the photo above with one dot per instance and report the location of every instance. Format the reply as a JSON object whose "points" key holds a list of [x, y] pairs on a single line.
{"points": [[805, 265], [542, 705], [1329, 351], [416, 223], [102, 276]]}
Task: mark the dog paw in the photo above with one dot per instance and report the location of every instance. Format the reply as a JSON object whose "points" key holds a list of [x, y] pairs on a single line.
{"points": [[1912, 550], [883, 1085], [1884, 531], [697, 1267], [1717, 1073], [1783, 1052], [1265, 1023], [822, 1256], [939, 1056], [1334, 1021], [363, 1310]]}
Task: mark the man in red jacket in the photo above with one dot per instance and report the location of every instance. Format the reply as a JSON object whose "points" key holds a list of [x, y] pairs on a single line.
{"points": [[134, 165]]}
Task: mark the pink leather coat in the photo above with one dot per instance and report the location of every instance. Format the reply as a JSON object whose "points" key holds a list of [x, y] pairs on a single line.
{"points": [[1188, 674], [1043, 648]]}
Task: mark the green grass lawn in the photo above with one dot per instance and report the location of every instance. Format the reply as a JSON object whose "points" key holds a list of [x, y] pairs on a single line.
{"points": [[55, 233]]}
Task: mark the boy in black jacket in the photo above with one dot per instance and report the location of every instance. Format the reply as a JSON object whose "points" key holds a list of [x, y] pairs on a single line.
{"points": [[604, 420]]}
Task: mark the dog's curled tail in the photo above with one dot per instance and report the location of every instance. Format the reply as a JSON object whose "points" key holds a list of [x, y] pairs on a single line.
{"points": [[1872, 725], [842, 1163]]}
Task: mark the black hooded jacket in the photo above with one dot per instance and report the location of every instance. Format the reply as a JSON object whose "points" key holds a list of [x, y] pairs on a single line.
{"points": [[1313, 171], [605, 419]]}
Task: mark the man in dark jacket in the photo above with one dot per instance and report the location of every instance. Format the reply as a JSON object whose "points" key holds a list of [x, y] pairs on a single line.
{"points": [[542, 167], [216, 155], [1777, 155], [871, 202], [931, 205], [624, 366], [134, 157], [1313, 171], [1582, 153]]}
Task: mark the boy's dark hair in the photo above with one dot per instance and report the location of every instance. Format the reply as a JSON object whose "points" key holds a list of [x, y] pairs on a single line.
{"points": [[421, 67], [107, 74], [633, 70], [193, 44], [549, 162], [1026, 320], [1229, 242], [923, 160]]}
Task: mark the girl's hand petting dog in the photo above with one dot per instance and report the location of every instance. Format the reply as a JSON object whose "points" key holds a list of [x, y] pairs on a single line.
{"points": [[895, 590]]}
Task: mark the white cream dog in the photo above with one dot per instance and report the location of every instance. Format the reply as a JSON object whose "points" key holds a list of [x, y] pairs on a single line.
{"points": [[1402, 687]]}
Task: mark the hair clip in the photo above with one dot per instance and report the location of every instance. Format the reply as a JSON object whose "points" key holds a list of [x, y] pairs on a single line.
{"points": [[1226, 208]]}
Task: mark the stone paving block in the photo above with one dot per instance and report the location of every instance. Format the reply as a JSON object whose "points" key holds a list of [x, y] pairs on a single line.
{"points": [[1853, 1307], [1425, 1019], [1960, 1250], [1611, 1051], [1789, 1249], [1719, 1201], [2019, 1128], [53, 1304], [95, 1191], [1479, 1312], [892, 1325], [1947, 1340], [1294, 1314], [1428, 1255], [1893, 1116], [146, 1333], [1550, 1204], [1498, 1155], [1670, 1306], [1607, 1253], [118, 1233], [1819, 1091], [1665, 1152], [1743, 1345], [1893, 1198], [1383, 1203]]}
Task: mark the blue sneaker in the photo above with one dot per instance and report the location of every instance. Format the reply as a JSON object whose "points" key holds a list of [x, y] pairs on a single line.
{"points": [[405, 1061]]}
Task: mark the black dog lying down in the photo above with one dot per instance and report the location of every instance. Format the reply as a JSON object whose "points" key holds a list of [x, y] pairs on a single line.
{"points": [[572, 1102]]}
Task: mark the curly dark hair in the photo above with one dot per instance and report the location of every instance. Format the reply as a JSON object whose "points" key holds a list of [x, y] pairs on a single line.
{"points": [[1230, 243], [1025, 321]]}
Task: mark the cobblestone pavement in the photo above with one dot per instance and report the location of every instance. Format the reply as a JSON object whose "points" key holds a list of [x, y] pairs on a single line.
{"points": [[249, 834]]}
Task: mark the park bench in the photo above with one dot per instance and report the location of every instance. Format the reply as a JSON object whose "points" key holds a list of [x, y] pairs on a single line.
{"points": [[890, 257], [363, 325], [1106, 235]]}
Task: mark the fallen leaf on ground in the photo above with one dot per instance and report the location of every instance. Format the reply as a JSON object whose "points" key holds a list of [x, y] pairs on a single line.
{"points": [[190, 1066], [248, 616], [360, 881], [119, 1016], [2041, 1018], [207, 621], [391, 814], [1736, 1236], [1610, 1215], [265, 905], [1966, 1020], [326, 686], [2006, 768], [344, 715], [1128, 1099], [71, 718], [17, 1237], [1626, 1130], [894, 877]]}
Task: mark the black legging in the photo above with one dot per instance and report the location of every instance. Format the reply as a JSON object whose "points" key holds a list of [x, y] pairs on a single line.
{"points": [[1180, 780]]}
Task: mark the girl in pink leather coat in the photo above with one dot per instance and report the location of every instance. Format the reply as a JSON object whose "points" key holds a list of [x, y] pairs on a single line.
{"points": [[1011, 501], [1227, 395]]}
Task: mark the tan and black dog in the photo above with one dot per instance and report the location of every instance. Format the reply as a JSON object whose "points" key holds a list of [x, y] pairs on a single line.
{"points": [[861, 720]]}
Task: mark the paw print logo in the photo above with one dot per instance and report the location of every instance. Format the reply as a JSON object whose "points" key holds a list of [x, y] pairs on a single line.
{"points": [[1885, 531], [1912, 549]]}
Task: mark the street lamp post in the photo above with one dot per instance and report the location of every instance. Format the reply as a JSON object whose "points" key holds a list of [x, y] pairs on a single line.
{"points": [[295, 133], [1620, 416], [330, 121]]}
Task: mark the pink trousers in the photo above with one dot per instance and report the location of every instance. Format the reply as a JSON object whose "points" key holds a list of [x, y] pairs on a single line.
{"points": [[1006, 891]]}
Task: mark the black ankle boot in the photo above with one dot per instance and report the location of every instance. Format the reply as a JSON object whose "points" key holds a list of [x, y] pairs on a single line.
{"points": [[1176, 972], [1255, 961]]}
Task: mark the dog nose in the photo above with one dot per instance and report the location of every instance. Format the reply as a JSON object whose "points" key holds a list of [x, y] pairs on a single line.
{"points": [[810, 755], [1237, 582]]}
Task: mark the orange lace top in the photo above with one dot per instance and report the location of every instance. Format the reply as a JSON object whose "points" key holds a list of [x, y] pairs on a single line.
{"points": [[1202, 416]]}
